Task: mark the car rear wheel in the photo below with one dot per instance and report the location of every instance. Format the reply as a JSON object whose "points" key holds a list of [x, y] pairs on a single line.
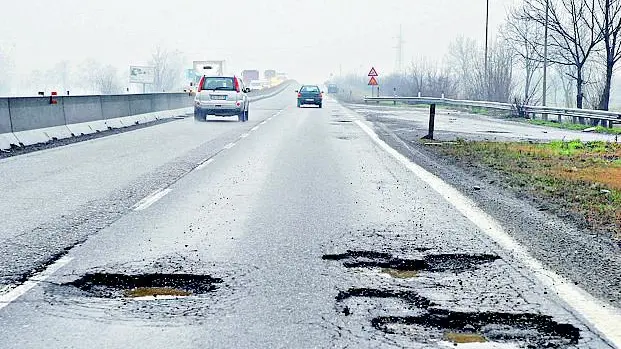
{"points": [[320, 104], [200, 116], [246, 115]]}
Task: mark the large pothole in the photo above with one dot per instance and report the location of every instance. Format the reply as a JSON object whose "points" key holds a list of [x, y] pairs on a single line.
{"points": [[455, 262], [436, 324], [111, 285], [530, 330]]}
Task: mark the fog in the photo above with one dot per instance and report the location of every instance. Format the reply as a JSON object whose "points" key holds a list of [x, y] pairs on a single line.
{"points": [[307, 40]]}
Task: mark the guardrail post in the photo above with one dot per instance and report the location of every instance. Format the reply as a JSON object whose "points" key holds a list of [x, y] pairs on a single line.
{"points": [[560, 118], [432, 120]]}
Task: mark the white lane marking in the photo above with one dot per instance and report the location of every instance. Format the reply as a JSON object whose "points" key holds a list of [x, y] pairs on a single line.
{"points": [[255, 128], [9, 297], [204, 164], [151, 199], [244, 135], [270, 118], [605, 318], [263, 122], [229, 146]]}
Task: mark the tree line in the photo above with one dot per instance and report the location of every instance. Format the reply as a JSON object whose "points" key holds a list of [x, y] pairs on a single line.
{"points": [[584, 47]]}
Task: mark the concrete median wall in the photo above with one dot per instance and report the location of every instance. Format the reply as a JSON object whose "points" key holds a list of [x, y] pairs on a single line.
{"points": [[30, 113], [5, 116], [30, 120]]}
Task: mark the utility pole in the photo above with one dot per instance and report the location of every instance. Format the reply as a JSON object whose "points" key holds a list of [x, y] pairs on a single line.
{"points": [[399, 47], [486, 48], [545, 55]]}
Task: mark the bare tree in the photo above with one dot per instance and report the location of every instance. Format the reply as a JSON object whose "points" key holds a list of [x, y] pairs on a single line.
{"points": [[523, 37], [168, 68], [574, 35], [608, 21], [98, 78]]}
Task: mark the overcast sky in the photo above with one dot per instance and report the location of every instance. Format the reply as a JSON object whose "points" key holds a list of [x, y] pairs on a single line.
{"points": [[307, 39]]}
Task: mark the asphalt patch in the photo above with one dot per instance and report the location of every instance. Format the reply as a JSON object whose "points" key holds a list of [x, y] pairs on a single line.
{"points": [[105, 285], [455, 262]]}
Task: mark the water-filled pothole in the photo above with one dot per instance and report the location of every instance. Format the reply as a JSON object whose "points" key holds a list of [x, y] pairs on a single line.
{"points": [[533, 330], [105, 285], [456, 262]]}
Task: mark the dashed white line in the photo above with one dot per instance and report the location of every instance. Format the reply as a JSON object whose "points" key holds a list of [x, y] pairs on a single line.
{"points": [[229, 146], [263, 122], [255, 128], [604, 317], [244, 135], [204, 164], [151, 199], [12, 295]]}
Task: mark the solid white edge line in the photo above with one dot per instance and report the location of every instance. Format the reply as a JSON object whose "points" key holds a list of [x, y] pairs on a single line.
{"points": [[204, 164], [229, 146], [603, 317], [12, 295], [151, 199]]}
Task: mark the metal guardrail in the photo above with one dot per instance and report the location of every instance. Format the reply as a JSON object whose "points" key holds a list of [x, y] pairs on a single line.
{"points": [[602, 115], [605, 118]]}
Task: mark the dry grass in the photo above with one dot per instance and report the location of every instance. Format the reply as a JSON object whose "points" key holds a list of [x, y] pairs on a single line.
{"points": [[584, 178]]}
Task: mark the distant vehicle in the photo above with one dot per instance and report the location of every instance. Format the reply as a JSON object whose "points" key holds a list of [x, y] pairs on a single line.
{"points": [[310, 94], [221, 96], [332, 88], [269, 74], [255, 85], [250, 75]]}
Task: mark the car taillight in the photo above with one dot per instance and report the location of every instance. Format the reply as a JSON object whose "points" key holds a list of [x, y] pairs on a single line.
{"points": [[299, 95], [200, 84], [236, 84]]}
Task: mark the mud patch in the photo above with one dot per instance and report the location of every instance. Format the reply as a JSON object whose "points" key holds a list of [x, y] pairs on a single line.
{"points": [[433, 263], [400, 274], [106, 285], [461, 338], [409, 297]]}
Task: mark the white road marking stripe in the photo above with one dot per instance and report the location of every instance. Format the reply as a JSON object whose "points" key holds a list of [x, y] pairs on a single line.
{"points": [[603, 317], [204, 164], [244, 135], [255, 128], [263, 122], [151, 199], [12, 295], [229, 146]]}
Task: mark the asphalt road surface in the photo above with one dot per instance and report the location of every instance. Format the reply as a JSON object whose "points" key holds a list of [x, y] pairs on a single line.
{"points": [[298, 229]]}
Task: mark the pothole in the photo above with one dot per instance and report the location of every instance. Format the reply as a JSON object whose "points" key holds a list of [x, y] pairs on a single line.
{"points": [[457, 262], [533, 330], [110, 285], [407, 296]]}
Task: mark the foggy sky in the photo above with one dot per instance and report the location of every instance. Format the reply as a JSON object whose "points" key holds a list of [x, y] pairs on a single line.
{"points": [[307, 39]]}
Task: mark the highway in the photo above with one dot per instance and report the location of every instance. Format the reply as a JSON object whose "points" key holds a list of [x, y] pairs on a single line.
{"points": [[301, 228]]}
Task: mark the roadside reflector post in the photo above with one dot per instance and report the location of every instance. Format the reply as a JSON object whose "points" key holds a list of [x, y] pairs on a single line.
{"points": [[432, 121]]}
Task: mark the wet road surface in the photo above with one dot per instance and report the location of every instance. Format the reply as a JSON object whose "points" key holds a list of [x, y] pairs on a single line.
{"points": [[293, 231]]}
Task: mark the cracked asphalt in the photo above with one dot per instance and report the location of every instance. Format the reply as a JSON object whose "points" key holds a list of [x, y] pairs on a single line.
{"points": [[294, 230]]}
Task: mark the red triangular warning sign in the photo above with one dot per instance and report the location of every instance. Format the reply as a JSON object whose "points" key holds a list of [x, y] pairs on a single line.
{"points": [[373, 82], [373, 72]]}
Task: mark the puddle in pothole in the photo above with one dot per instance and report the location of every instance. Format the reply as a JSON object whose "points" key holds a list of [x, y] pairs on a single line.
{"points": [[525, 329], [456, 262], [434, 324], [110, 285]]}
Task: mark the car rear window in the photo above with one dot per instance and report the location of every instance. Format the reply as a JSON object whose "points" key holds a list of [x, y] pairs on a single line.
{"points": [[312, 89], [218, 83]]}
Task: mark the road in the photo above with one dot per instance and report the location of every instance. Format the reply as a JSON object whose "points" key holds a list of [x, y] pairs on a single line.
{"points": [[298, 229]]}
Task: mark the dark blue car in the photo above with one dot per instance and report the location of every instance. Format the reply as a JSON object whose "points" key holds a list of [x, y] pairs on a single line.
{"points": [[309, 94]]}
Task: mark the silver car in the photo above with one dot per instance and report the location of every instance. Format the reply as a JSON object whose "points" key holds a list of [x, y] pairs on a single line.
{"points": [[221, 96]]}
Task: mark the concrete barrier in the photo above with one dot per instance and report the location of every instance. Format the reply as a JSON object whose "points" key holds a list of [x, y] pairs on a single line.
{"points": [[30, 120], [84, 114], [35, 120], [6, 132]]}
